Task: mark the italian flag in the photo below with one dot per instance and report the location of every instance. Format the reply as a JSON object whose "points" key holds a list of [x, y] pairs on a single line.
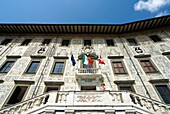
{"points": [[87, 60]]}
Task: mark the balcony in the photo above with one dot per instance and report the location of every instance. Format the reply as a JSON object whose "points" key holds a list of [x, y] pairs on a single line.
{"points": [[106, 101], [88, 73]]}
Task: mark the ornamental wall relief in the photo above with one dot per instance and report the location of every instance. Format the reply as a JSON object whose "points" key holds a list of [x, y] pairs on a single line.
{"points": [[88, 97], [42, 50], [89, 51]]}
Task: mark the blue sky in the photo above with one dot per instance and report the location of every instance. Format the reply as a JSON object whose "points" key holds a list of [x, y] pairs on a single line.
{"points": [[81, 11]]}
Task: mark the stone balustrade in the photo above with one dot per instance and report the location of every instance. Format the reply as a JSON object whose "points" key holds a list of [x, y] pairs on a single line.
{"points": [[88, 73], [150, 104], [89, 99], [88, 70], [25, 105]]}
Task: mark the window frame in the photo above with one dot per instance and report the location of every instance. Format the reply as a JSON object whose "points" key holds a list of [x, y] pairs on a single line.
{"points": [[27, 43], [12, 92], [30, 65], [2, 65], [159, 95], [152, 65], [126, 85], [90, 86], [69, 41], [45, 44], [109, 45], [58, 61], [7, 42], [87, 40], [123, 66], [51, 86], [157, 36], [132, 44]]}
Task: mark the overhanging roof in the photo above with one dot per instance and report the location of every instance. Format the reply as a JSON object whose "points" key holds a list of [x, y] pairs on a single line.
{"points": [[87, 28]]}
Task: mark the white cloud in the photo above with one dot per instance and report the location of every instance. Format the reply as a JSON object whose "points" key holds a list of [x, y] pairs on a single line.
{"points": [[151, 5], [162, 14]]}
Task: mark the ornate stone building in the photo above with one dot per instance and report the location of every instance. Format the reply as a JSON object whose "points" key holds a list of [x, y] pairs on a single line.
{"points": [[37, 75]]}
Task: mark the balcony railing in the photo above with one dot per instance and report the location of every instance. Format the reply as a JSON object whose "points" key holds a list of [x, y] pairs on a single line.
{"points": [[100, 99], [88, 73], [88, 70]]}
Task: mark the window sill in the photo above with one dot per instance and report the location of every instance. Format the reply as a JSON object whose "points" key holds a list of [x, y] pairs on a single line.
{"points": [[21, 81], [124, 81], [142, 55], [152, 72], [121, 73], [60, 57], [53, 82], [159, 81], [57, 73], [116, 57], [30, 72], [13, 56], [167, 52], [1, 81]]}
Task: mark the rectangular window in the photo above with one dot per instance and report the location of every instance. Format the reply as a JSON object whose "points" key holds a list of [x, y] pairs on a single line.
{"points": [[58, 68], [6, 41], [126, 88], [26, 42], [118, 67], [164, 93], [155, 38], [132, 41], [65, 42], [33, 67], [87, 42], [6, 67], [110, 42], [147, 66], [46, 41], [17, 95], [88, 88]]}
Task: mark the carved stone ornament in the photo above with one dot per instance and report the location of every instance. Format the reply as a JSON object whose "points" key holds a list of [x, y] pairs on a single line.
{"points": [[89, 98], [41, 50], [138, 50], [89, 51]]}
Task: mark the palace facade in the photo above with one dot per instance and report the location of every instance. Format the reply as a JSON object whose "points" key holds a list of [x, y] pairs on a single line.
{"points": [[38, 74]]}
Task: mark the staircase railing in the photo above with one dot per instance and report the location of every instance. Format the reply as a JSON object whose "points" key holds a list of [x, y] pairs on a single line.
{"points": [[86, 98], [149, 104], [25, 105]]}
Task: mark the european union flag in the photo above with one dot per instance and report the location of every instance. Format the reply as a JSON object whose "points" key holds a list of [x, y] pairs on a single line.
{"points": [[73, 60]]}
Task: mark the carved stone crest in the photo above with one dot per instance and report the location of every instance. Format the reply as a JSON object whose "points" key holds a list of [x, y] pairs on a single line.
{"points": [[41, 50], [138, 49], [89, 51]]}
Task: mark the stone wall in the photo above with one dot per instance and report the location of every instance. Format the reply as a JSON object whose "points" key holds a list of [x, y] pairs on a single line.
{"points": [[54, 49]]}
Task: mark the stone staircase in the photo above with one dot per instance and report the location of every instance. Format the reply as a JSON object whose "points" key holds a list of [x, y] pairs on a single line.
{"points": [[91, 102]]}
